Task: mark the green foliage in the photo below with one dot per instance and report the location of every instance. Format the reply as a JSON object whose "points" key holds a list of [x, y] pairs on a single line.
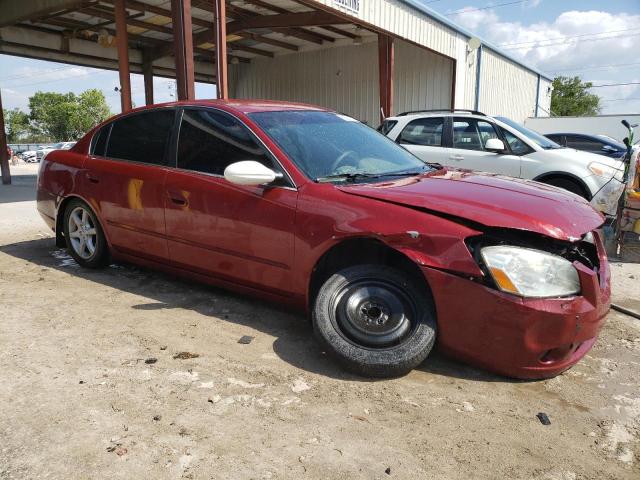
{"points": [[66, 117], [16, 124], [571, 97]]}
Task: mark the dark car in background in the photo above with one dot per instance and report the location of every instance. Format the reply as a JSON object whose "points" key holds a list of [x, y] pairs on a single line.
{"points": [[600, 144]]}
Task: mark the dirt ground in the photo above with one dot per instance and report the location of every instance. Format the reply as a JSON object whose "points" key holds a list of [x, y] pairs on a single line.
{"points": [[79, 397]]}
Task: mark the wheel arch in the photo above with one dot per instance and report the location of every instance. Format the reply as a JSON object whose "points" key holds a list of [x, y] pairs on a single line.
{"points": [[568, 176], [62, 206], [357, 251]]}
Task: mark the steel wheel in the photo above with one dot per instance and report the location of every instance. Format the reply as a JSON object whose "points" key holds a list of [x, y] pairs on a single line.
{"points": [[83, 234], [375, 319], [374, 313]]}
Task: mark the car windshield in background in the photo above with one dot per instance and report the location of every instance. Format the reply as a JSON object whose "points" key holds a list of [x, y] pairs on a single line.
{"points": [[612, 141], [328, 146], [540, 140]]}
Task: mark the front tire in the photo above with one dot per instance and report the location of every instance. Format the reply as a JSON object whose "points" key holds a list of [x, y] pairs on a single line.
{"points": [[376, 320], [567, 184], [85, 239]]}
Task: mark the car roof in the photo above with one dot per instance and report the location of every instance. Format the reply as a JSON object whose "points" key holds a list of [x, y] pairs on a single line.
{"points": [[444, 113], [243, 106]]}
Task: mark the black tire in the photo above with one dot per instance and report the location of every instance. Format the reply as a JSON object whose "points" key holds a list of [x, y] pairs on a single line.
{"points": [[342, 317], [567, 184], [96, 259]]}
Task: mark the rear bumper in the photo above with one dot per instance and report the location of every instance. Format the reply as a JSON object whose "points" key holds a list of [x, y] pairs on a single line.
{"points": [[516, 337]]}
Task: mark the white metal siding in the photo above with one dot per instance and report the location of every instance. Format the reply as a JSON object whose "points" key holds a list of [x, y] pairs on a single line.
{"points": [[346, 79], [341, 78], [506, 88], [405, 22], [422, 79], [544, 98]]}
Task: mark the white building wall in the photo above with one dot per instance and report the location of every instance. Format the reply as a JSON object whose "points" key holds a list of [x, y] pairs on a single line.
{"points": [[403, 21], [422, 79], [345, 78], [544, 97], [506, 88]]}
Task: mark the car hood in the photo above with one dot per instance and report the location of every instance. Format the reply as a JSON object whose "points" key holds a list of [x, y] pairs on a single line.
{"points": [[573, 155], [491, 200]]}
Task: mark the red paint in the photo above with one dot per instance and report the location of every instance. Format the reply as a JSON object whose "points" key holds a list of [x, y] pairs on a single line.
{"points": [[266, 241]]}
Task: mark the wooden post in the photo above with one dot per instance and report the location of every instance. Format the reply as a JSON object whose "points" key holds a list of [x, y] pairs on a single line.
{"points": [[122, 40], [183, 45], [385, 74], [147, 75], [4, 158], [221, 49]]}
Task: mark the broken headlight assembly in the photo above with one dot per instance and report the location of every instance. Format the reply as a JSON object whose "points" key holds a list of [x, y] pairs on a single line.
{"points": [[528, 272]]}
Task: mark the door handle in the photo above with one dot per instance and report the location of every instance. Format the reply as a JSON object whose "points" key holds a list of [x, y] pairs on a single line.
{"points": [[92, 178], [456, 157], [177, 199]]}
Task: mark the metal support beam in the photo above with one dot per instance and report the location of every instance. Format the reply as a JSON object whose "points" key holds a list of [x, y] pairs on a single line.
{"points": [[478, 75], [220, 20], [537, 109], [122, 40], [183, 44], [4, 158], [285, 20], [385, 74], [147, 75]]}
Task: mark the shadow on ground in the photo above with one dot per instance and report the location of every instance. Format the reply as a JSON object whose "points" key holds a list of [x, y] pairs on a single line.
{"points": [[21, 189], [294, 337]]}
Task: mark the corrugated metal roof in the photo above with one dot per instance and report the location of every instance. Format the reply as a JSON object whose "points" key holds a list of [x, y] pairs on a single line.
{"points": [[454, 26]]}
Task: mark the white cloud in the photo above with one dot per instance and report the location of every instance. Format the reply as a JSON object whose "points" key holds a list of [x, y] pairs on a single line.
{"points": [[568, 46]]}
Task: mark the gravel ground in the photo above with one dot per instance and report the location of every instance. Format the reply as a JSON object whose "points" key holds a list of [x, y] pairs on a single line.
{"points": [[90, 388]]}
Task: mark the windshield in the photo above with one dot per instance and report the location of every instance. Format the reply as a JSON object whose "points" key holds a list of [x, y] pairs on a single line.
{"points": [[326, 144], [57, 146], [540, 140]]}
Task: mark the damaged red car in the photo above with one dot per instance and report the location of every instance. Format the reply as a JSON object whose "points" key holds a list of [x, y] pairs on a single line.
{"points": [[312, 209]]}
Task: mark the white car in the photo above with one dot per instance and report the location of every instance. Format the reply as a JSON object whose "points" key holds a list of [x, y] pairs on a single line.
{"points": [[29, 156], [474, 141], [40, 154]]}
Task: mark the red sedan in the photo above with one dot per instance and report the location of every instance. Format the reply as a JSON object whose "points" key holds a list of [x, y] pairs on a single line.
{"points": [[312, 209]]}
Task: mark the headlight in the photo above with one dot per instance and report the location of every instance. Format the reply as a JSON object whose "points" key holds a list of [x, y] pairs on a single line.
{"points": [[602, 170], [531, 273]]}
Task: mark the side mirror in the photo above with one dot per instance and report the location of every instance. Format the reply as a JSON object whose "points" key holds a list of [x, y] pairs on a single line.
{"points": [[249, 172], [494, 145]]}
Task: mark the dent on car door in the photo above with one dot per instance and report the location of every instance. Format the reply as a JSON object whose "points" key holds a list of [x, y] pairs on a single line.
{"points": [[470, 136], [242, 234], [424, 138], [125, 176]]}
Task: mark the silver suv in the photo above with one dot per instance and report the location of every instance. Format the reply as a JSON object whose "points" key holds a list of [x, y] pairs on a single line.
{"points": [[471, 140]]}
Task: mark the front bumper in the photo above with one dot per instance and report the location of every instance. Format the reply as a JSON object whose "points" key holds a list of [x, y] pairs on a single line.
{"points": [[517, 337], [606, 198]]}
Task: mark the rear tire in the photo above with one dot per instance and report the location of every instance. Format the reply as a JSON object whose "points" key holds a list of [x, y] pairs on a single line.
{"points": [[569, 185], [376, 320], [85, 239]]}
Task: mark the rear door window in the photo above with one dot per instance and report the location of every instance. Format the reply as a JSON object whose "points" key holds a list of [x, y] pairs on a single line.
{"points": [[582, 143], [423, 131], [211, 140], [142, 137]]}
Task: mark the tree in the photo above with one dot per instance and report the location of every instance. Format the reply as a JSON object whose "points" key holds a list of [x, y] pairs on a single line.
{"points": [[66, 117], [17, 125], [570, 97]]}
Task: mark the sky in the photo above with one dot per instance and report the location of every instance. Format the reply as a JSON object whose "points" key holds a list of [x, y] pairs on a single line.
{"points": [[559, 37]]}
